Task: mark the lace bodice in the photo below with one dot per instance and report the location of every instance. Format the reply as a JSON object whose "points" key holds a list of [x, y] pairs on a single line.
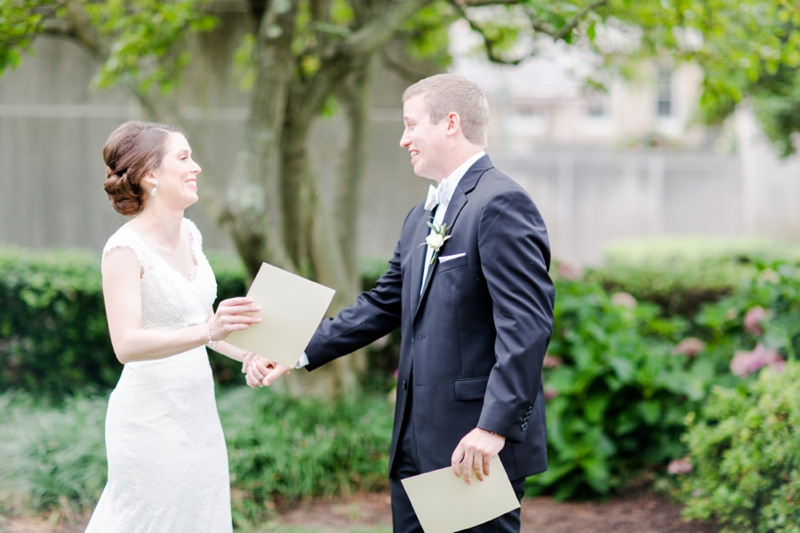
{"points": [[170, 300]]}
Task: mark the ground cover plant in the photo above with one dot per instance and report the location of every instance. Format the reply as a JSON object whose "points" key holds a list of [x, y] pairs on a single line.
{"points": [[279, 449]]}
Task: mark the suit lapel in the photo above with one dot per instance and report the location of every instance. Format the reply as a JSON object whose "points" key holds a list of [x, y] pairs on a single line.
{"points": [[418, 258], [457, 203]]}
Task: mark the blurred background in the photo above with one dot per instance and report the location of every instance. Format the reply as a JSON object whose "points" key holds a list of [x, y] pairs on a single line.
{"points": [[657, 137]]}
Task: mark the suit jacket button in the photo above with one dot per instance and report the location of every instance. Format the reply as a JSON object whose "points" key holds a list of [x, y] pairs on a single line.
{"points": [[405, 386]]}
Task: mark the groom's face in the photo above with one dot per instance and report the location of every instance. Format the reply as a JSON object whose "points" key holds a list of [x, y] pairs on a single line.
{"points": [[424, 141]]}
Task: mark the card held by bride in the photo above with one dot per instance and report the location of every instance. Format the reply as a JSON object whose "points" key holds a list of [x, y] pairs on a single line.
{"points": [[291, 309]]}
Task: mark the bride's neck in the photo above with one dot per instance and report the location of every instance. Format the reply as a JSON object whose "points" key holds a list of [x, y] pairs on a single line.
{"points": [[161, 226]]}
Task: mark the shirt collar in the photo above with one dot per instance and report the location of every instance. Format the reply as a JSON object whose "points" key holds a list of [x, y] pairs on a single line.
{"points": [[449, 184]]}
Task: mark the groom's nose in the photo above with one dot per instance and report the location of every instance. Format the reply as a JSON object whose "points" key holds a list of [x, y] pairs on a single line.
{"points": [[404, 140]]}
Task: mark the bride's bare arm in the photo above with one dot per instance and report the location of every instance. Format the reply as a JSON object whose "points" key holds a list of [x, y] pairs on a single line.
{"points": [[122, 295]]}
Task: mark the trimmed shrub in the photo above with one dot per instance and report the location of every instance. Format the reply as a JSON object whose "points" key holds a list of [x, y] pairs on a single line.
{"points": [[53, 331], [52, 322], [681, 274], [745, 456]]}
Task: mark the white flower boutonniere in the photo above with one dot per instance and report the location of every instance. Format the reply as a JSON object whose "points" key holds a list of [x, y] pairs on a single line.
{"points": [[436, 238]]}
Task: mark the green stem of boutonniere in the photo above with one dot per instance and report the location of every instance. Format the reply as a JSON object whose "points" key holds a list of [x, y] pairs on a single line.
{"points": [[436, 238]]}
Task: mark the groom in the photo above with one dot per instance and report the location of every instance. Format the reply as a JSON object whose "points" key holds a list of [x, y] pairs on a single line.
{"points": [[475, 306]]}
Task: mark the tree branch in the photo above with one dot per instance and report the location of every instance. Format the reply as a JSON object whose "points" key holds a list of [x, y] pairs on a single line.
{"points": [[491, 52], [569, 26], [404, 70], [379, 30], [536, 25], [485, 3]]}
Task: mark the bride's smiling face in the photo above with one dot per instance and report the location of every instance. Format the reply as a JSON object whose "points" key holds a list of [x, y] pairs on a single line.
{"points": [[177, 174]]}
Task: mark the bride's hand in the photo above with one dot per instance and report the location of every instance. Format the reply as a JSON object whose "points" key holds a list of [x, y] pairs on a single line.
{"points": [[230, 317], [261, 371]]}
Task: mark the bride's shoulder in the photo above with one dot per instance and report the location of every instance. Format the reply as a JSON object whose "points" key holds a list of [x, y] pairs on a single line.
{"points": [[125, 239]]}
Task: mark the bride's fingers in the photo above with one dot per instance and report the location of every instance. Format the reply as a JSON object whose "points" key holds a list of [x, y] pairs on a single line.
{"points": [[248, 356]]}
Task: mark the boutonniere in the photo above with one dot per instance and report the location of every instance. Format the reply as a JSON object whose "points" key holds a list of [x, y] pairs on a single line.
{"points": [[436, 238]]}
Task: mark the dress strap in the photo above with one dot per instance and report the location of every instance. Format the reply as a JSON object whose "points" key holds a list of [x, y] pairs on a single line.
{"points": [[197, 237], [127, 238]]}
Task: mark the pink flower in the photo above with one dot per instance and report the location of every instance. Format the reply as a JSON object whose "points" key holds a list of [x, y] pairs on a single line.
{"points": [[690, 346], [549, 394], [745, 363], [570, 271], [679, 466], [552, 361], [623, 298], [753, 318]]}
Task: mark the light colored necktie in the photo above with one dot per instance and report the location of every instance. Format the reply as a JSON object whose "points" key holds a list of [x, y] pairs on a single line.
{"points": [[434, 196]]}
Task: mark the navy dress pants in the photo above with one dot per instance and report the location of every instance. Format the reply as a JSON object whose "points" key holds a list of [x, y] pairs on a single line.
{"points": [[406, 464]]}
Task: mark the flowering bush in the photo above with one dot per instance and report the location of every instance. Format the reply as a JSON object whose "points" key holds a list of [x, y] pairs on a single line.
{"points": [[618, 384], [757, 326], [745, 457]]}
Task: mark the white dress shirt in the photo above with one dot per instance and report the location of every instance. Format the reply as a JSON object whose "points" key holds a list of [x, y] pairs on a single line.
{"points": [[445, 193], [446, 189]]}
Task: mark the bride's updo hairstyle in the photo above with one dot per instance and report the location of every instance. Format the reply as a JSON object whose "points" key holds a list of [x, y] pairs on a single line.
{"points": [[131, 152]]}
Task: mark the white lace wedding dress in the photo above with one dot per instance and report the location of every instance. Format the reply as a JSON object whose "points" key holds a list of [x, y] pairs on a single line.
{"points": [[167, 461]]}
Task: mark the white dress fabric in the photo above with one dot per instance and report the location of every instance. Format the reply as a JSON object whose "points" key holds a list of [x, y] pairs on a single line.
{"points": [[167, 461]]}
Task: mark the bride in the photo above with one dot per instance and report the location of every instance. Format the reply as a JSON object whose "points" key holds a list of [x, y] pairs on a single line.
{"points": [[167, 461]]}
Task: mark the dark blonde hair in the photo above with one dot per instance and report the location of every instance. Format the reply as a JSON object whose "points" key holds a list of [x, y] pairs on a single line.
{"points": [[445, 93], [131, 152]]}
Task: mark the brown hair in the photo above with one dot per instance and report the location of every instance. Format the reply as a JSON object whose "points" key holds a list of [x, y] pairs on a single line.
{"points": [[446, 93], [134, 149]]}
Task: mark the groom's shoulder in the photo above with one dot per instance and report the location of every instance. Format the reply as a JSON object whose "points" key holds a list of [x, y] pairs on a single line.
{"points": [[494, 182]]}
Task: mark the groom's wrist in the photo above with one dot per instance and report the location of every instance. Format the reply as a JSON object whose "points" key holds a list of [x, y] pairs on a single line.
{"points": [[302, 362]]}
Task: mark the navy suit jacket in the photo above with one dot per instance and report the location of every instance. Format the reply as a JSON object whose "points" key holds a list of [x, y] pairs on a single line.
{"points": [[476, 338]]}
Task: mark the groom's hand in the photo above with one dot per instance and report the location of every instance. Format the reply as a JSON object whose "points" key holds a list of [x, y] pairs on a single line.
{"points": [[262, 372], [475, 451]]}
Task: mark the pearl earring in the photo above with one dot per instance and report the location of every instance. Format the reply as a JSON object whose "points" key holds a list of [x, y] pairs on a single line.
{"points": [[155, 190]]}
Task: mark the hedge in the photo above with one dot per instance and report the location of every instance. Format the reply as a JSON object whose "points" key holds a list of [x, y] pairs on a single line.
{"points": [[53, 331]]}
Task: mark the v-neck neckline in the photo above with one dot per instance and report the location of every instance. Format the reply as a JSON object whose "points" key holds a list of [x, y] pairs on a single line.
{"points": [[192, 275]]}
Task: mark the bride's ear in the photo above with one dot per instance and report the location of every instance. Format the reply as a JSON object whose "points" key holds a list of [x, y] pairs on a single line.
{"points": [[150, 179]]}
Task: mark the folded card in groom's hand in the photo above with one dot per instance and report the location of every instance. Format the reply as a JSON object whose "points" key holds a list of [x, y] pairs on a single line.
{"points": [[445, 504], [291, 309]]}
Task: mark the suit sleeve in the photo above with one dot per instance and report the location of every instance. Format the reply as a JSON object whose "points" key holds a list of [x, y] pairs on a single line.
{"points": [[374, 314], [515, 257]]}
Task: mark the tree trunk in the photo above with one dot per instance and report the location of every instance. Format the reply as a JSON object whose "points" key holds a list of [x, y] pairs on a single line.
{"points": [[253, 206]]}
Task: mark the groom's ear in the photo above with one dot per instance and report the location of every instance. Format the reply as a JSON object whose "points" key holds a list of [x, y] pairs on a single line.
{"points": [[453, 123]]}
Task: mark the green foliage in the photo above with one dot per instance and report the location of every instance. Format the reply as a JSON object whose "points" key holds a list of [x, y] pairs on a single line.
{"points": [[146, 35], [18, 25], [745, 48], [745, 457], [52, 322], [772, 298], [617, 393], [278, 449], [776, 102], [281, 448], [54, 459]]}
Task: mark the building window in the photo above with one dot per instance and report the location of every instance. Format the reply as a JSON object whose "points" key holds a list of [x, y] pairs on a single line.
{"points": [[664, 105], [595, 106]]}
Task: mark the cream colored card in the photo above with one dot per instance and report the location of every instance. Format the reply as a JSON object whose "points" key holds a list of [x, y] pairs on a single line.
{"points": [[291, 309], [444, 503]]}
